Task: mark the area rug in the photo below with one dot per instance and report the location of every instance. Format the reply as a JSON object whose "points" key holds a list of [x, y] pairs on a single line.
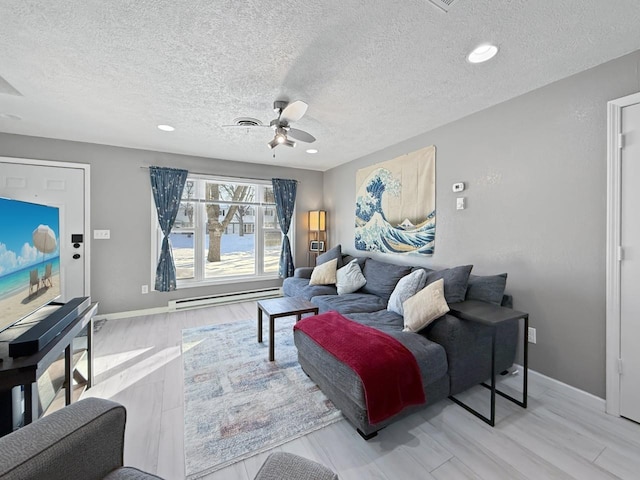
{"points": [[236, 402]]}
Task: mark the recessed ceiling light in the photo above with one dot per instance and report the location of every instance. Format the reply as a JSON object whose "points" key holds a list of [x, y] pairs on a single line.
{"points": [[482, 53], [166, 128], [312, 150], [10, 116]]}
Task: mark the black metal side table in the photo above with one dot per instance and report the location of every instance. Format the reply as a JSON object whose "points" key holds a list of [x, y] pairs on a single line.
{"points": [[492, 316]]}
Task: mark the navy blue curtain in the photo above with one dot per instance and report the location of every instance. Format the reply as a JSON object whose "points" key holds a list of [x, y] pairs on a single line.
{"points": [[167, 185], [284, 192]]}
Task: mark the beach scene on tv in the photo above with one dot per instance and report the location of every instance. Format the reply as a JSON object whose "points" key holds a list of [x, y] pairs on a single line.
{"points": [[29, 258]]}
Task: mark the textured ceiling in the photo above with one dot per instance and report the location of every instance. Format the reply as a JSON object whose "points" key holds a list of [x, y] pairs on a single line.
{"points": [[373, 72]]}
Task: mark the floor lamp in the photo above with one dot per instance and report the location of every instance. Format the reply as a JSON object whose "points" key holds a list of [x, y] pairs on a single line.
{"points": [[317, 233]]}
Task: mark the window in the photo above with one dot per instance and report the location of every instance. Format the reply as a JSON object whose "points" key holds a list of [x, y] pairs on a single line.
{"points": [[225, 230]]}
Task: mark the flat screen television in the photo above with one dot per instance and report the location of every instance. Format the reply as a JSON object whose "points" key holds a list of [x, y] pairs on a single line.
{"points": [[29, 259]]}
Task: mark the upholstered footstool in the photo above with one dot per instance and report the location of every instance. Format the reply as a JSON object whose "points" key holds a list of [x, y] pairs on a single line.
{"points": [[287, 466]]}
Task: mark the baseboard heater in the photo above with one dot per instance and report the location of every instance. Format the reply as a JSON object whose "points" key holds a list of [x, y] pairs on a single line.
{"points": [[222, 298]]}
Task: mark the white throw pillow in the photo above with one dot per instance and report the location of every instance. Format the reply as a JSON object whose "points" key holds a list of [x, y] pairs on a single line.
{"points": [[424, 307], [350, 278], [407, 287], [324, 274]]}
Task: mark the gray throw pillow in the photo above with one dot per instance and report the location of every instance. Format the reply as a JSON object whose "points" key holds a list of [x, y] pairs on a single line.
{"points": [[349, 278], [335, 252], [382, 277], [487, 288], [455, 282], [406, 288]]}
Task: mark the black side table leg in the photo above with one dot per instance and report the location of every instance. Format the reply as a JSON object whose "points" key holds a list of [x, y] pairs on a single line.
{"points": [[31, 403], [272, 338], [493, 378], [525, 367], [90, 380], [492, 419], [6, 408], [525, 352], [68, 374]]}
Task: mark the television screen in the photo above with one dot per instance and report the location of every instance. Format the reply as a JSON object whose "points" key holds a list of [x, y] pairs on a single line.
{"points": [[29, 258]]}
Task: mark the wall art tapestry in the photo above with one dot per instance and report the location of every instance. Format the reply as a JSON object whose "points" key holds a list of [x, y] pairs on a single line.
{"points": [[396, 204]]}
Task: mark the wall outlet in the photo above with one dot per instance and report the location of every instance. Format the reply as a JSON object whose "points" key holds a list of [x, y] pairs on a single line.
{"points": [[102, 234], [145, 289], [531, 335]]}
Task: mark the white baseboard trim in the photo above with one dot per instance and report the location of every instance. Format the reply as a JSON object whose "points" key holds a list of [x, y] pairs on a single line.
{"points": [[131, 313], [584, 397]]}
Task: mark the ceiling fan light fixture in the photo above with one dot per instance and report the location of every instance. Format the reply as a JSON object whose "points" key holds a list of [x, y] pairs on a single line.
{"points": [[281, 140]]}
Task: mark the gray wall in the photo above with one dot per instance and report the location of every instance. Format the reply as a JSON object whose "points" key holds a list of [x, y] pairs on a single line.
{"points": [[535, 171], [121, 202]]}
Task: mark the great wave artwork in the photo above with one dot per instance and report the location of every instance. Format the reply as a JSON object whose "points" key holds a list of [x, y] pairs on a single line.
{"points": [[395, 205]]}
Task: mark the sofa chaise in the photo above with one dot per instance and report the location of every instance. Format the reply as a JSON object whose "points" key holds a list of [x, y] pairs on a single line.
{"points": [[452, 354]]}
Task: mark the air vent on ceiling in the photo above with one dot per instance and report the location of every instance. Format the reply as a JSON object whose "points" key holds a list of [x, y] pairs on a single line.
{"points": [[7, 89], [247, 122], [443, 4]]}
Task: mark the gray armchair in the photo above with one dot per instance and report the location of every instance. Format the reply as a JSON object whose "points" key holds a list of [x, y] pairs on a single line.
{"points": [[85, 441], [287, 466]]}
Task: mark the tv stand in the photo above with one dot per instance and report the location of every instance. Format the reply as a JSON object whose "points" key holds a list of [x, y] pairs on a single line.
{"points": [[24, 371]]}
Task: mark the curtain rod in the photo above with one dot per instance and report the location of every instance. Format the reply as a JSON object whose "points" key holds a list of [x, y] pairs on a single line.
{"points": [[226, 176]]}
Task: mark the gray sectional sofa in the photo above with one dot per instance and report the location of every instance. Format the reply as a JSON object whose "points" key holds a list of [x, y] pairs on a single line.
{"points": [[453, 354]]}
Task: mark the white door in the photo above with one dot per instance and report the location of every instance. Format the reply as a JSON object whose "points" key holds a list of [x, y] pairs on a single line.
{"points": [[62, 187], [630, 265]]}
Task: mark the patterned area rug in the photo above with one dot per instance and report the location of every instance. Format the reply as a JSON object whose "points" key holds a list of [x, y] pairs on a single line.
{"points": [[237, 403]]}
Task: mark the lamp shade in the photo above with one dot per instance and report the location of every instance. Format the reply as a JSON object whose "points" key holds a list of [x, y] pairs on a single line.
{"points": [[317, 220]]}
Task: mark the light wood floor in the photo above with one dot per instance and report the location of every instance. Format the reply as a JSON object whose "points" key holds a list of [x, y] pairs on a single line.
{"points": [[562, 435]]}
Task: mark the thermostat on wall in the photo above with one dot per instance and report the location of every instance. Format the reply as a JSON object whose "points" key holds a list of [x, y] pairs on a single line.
{"points": [[458, 187]]}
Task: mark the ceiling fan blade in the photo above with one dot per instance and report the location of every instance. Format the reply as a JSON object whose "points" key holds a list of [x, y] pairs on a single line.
{"points": [[301, 135], [293, 112]]}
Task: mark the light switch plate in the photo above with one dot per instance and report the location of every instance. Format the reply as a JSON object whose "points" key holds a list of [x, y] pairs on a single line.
{"points": [[460, 203], [102, 234]]}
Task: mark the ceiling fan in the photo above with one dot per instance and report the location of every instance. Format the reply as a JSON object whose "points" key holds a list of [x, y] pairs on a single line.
{"points": [[287, 114]]}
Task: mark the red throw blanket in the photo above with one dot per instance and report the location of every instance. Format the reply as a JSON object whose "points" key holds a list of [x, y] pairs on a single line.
{"points": [[388, 370]]}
